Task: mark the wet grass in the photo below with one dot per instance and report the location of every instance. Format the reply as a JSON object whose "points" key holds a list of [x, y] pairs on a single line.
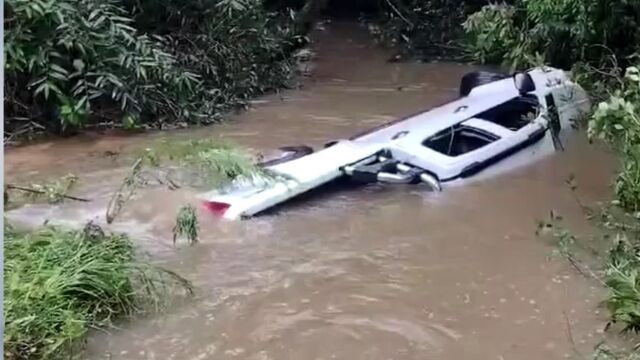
{"points": [[61, 283], [605, 353], [216, 162], [186, 225]]}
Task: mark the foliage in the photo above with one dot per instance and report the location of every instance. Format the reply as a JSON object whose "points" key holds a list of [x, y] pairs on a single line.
{"points": [[496, 38], [617, 121], [605, 353], [199, 162], [217, 162], [186, 225], [66, 59], [60, 283], [622, 276], [560, 33], [71, 63], [424, 28]]}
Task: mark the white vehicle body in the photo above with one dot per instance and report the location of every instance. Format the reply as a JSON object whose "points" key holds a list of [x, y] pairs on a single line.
{"points": [[453, 141]]}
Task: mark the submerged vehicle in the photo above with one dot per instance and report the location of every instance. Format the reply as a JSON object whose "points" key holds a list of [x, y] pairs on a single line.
{"points": [[495, 117]]}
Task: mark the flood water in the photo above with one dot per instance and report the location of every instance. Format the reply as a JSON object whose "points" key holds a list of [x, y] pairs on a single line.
{"points": [[377, 273]]}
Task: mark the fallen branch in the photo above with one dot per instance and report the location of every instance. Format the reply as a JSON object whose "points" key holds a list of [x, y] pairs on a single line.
{"points": [[570, 335], [395, 9], [36, 191], [124, 193]]}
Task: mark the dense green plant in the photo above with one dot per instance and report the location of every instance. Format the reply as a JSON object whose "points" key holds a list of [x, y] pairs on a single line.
{"points": [[558, 32], [617, 121], [424, 28], [215, 162], [73, 62], [496, 38], [60, 283], [68, 59], [622, 276], [186, 225]]}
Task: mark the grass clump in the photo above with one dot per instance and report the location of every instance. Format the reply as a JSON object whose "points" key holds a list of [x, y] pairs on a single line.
{"points": [[195, 163], [215, 163], [60, 283], [605, 353], [186, 225], [622, 276]]}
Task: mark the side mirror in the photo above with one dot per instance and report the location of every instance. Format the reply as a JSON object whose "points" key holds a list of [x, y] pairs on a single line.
{"points": [[524, 83]]}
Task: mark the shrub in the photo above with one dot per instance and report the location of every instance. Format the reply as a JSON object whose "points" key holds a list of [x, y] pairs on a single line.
{"points": [[68, 59], [60, 283], [425, 28], [617, 121], [561, 32], [73, 62]]}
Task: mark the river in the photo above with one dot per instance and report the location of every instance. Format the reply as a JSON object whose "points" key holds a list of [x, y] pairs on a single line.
{"points": [[377, 273]]}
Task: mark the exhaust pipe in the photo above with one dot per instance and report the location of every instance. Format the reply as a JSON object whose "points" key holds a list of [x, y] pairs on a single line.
{"points": [[403, 178], [425, 177], [431, 181]]}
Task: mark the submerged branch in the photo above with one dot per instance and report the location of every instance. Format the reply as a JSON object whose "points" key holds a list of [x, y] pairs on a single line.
{"points": [[41, 192]]}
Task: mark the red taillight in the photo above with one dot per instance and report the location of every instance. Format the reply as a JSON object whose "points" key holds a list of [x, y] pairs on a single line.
{"points": [[217, 208]]}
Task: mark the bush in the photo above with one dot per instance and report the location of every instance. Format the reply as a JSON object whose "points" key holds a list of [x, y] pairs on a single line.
{"points": [[73, 62], [617, 121], [425, 28], [561, 33], [60, 283], [622, 277]]}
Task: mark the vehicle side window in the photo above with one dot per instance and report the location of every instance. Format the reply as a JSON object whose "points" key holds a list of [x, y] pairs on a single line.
{"points": [[513, 114], [458, 140]]}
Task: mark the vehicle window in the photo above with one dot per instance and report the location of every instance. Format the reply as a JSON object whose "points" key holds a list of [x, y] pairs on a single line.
{"points": [[513, 114], [459, 140]]}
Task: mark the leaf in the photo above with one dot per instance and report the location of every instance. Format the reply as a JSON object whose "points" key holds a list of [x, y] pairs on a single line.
{"points": [[78, 64]]}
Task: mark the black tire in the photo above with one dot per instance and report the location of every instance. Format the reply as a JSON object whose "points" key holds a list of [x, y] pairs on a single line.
{"points": [[291, 153], [478, 78]]}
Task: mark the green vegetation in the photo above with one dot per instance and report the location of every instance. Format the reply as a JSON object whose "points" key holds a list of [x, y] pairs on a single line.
{"points": [[424, 28], [191, 162], [604, 353], [617, 121], [186, 225], [76, 63], [215, 161], [560, 33], [59, 284]]}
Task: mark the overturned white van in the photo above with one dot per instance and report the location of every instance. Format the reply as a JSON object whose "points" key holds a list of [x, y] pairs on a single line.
{"points": [[495, 117]]}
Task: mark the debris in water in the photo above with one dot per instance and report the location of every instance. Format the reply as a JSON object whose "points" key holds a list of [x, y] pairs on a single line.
{"points": [[186, 225]]}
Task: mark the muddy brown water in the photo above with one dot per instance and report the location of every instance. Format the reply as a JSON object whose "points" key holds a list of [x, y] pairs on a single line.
{"points": [[377, 273]]}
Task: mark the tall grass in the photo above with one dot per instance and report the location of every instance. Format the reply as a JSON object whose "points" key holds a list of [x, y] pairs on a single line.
{"points": [[61, 283], [214, 162]]}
